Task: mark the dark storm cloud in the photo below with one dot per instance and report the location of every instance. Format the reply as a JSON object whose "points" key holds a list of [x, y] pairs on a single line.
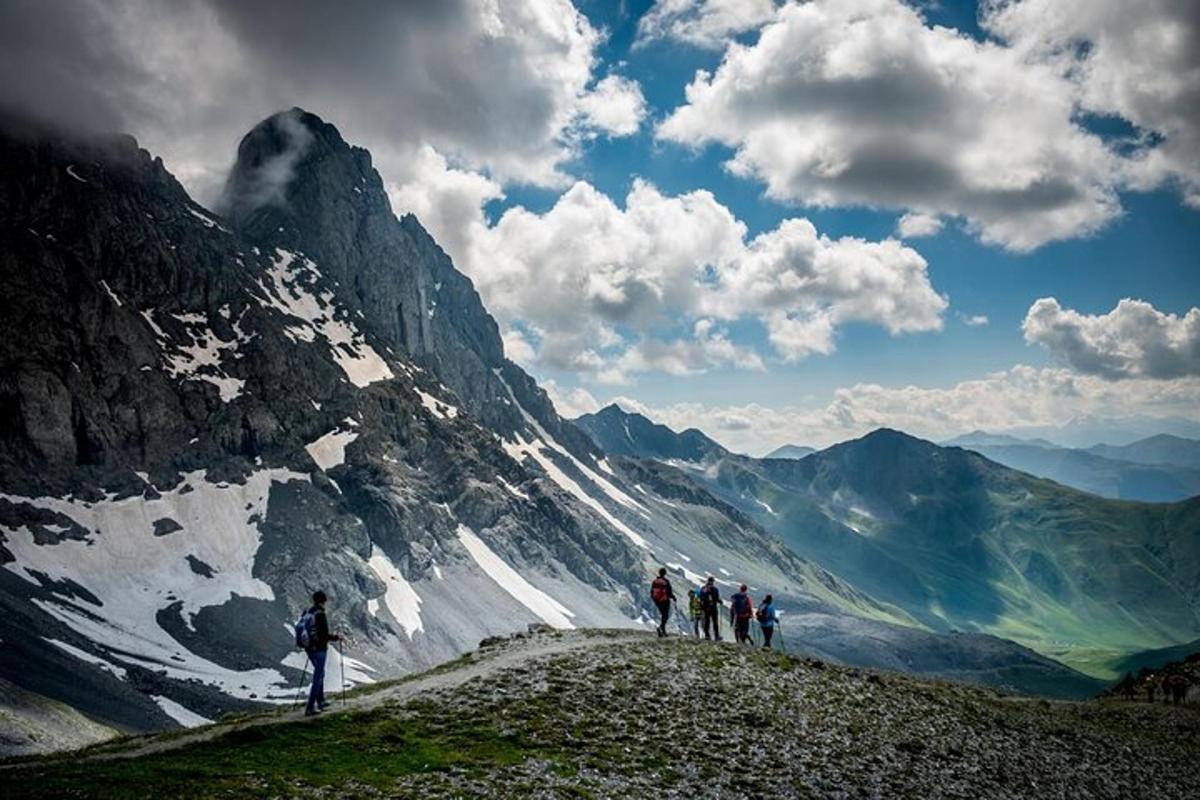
{"points": [[495, 88]]}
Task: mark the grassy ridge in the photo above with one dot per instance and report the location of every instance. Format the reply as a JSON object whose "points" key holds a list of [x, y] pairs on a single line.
{"points": [[622, 719]]}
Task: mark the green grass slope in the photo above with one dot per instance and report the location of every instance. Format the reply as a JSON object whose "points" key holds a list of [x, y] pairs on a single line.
{"points": [[606, 714], [960, 542]]}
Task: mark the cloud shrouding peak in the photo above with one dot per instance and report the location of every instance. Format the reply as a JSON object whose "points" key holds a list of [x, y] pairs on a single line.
{"points": [[1133, 340], [653, 286], [703, 23], [508, 88], [859, 102]]}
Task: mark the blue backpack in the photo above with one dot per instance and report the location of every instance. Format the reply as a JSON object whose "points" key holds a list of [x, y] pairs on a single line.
{"points": [[306, 630]]}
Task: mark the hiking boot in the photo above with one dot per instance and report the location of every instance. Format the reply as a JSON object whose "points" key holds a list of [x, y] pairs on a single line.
{"points": [[322, 706], [312, 712]]}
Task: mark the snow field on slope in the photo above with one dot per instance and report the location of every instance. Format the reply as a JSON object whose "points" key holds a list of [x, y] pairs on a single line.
{"points": [[543, 605], [520, 448], [179, 712], [289, 293], [136, 574], [400, 598]]}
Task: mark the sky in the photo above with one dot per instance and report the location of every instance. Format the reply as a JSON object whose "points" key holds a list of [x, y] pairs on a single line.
{"points": [[775, 221]]}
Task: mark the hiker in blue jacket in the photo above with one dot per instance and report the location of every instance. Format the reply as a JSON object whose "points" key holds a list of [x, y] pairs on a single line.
{"points": [[767, 618], [316, 644]]}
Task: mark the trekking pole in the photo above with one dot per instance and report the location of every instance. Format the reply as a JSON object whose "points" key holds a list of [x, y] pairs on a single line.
{"points": [[779, 633], [300, 691], [342, 662]]}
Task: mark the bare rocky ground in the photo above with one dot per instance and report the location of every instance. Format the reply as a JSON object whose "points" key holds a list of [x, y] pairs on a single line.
{"points": [[608, 714]]}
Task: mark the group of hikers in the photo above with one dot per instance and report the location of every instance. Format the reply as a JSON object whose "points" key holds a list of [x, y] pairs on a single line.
{"points": [[1174, 687], [704, 604]]}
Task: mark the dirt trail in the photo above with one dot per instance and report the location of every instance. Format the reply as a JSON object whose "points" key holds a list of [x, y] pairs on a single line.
{"points": [[482, 664]]}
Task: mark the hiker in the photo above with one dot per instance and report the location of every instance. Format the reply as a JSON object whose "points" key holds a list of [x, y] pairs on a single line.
{"points": [[1175, 686], [766, 619], [313, 634], [710, 601], [695, 611], [1151, 689], [741, 611], [1127, 686], [662, 594]]}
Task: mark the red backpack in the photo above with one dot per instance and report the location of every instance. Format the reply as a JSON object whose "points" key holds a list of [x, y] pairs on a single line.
{"points": [[659, 592]]}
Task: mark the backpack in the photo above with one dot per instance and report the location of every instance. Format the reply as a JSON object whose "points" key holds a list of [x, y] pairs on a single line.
{"points": [[658, 590], [306, 630], [741, 605], [761, 614]]}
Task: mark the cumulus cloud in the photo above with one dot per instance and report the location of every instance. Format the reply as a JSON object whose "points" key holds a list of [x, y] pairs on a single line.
{"points": [[703, 23], [1015, 399], [655, 285], [974, 320], [1133, 340], [1139, 61], [915, 224], [505, 88], [571, 403], [859, 102]]}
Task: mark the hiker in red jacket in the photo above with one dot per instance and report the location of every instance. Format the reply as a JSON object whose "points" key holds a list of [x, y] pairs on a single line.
{"points": [[741, 611], [662, 594]]}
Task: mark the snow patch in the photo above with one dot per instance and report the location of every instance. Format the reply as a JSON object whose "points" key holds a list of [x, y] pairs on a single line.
{"points": [[292, 281], [438, 408], [512, 489], [200, 359], [551, 611], [181, 714], [90, 658], [692, 577], [400, 598], [330, 450], [135, 574], [111, 294], [71, 171], [208, 221]]}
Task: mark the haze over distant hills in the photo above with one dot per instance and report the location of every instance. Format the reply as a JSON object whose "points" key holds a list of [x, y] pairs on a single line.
{"points": [[791, 451], [961, 542], [1160, 468]]}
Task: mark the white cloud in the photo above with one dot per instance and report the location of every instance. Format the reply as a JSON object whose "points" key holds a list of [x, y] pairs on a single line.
{"points": [[859, 102], [1140, 61], [615, 106], [974, 320], [570, 403], [505, 88], [703, 23], [612, 291], [1018, 398], [1133, 340], [915, 224]]}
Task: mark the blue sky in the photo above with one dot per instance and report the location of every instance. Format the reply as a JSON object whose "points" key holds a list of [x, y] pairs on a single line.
{"points": [[1149, 253], [898, 169]]}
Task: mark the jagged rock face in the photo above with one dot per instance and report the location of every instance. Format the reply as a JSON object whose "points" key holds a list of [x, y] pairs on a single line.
{"points": [[296, 181], [207, 418]]}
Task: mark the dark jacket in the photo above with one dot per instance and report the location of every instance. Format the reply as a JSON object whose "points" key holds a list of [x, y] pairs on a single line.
{"points": [[321, 628], [710, 597]]}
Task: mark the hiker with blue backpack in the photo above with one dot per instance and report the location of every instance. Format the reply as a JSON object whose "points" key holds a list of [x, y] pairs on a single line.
{"points": [[312, 634], [741, 611], [767, 619]]}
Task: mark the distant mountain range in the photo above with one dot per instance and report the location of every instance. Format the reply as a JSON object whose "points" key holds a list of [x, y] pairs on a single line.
{"points": [[1160, 468], [961, 542], [791, 451]]}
